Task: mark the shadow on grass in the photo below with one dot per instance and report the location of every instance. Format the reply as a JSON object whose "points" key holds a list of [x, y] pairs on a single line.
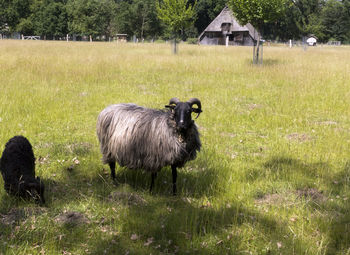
{"points": [[191, 183], [334, 212], [171, 226], [166, 224], [266, 62], [338, 227], [175, 224], [272, 62], [75, 185], [288, 169]]}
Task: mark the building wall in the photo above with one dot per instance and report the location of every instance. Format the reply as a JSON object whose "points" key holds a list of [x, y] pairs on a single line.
{"points": [[217, 38], [209, 41]]}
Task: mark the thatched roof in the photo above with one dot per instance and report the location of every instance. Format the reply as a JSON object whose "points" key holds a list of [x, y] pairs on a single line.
{"points": [[226, 16]]}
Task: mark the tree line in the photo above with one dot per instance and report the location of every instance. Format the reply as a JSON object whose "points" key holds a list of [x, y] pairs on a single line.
{"points": [[54, 19]]}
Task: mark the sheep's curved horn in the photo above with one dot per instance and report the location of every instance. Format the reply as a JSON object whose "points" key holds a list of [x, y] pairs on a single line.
{"points": [[172, 102], [197, 102]]}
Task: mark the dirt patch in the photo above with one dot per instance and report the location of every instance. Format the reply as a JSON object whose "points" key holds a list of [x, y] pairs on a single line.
{"points": [[79, 148], [44, 145], [274, 199], [326, 123], [299, 137], [311, 194], [83, 94], [72, 218], [18, 214], [254, 106], [291, 197], [127, 198], [145, 89], [228, 134], [43, 160], [201, 128], [232, 155]]}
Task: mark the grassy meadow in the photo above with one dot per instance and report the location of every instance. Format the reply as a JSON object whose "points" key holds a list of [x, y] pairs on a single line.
{"points": [[273, 175]]}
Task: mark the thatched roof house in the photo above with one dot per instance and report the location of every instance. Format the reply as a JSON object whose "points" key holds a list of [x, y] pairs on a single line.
{"points": [[226, 29]]}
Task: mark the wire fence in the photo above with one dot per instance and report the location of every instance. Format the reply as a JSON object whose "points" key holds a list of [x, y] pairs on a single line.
{"points": [[125, 38]]}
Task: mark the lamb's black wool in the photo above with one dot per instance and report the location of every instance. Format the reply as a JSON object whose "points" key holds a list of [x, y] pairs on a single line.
{"points": [[17, 167], [141, 138]]}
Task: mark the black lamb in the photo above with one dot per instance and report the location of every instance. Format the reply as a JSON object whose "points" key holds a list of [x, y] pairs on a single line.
{"points": [[17, 167]]}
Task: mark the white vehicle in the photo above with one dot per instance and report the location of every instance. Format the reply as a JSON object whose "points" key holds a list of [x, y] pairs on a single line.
{"points": [[311, 41]]}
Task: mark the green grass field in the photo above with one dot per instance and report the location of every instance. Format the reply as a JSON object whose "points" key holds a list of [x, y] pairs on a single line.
{"points": [[273, 175]]}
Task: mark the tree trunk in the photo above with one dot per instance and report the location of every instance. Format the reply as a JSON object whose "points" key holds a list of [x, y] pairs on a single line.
{"points": [[257, 53], [175, 48], [257, 50], [254, 56], [142, 25]]}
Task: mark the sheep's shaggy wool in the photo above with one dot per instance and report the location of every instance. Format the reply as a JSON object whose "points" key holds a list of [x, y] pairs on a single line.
{"points": [[17, 167], [142, 138]]}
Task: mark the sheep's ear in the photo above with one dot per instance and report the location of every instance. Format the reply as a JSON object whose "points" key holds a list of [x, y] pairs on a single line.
{"points": [[170, 106], [197, 110]]}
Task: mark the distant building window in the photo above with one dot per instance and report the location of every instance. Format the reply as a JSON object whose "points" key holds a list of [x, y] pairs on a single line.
{"points": [[239, 37], [225, 27]]}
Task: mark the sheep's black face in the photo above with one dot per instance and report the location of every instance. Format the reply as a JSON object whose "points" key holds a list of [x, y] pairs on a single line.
{"points": [[182, 112], [35, 189], [182, 116]]}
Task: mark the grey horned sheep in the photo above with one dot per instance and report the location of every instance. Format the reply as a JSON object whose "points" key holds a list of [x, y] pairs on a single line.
{"points": [[17, 165], [141, 138]]}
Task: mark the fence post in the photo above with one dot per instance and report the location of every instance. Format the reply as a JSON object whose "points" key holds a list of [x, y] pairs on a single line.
{"points": [[67, 37]]}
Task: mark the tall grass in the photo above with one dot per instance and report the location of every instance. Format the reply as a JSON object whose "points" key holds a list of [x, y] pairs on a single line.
{"points": [[272, 178]]}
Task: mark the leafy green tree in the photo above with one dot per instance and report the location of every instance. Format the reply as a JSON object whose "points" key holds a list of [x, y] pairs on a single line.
{"points": [[176, 15], [307, 15], [2, 16], [335, 20], [25, 26], [346, 17], [90, 17], [207, 10], [315, 27], [285, 27], [15, 13], [137, 17], [50, 19], [302, 17], [121, 20], [145, 20], [258, 13]]}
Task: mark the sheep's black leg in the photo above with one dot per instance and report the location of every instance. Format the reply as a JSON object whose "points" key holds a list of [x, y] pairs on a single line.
{"points": [[174, 172], [153, 176], [112, 166]]}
